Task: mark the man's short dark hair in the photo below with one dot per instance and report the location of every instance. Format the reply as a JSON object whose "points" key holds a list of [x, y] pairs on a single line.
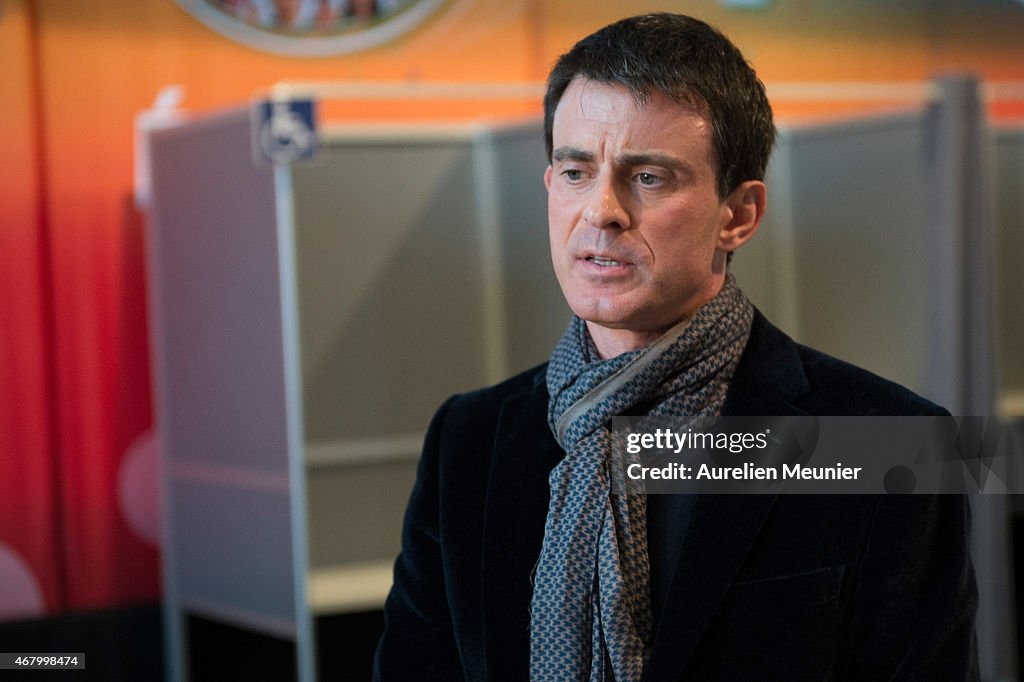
{"points": [[689, 61]]}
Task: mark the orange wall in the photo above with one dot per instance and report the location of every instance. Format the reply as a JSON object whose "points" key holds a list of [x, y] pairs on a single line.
{"points": [[103, 60]]}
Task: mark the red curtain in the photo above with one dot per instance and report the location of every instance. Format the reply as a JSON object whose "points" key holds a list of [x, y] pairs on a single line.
{"points": [[31, 554], [78, 503]]}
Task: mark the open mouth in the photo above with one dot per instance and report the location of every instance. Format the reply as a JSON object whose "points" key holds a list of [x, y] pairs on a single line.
{"points": [[605, 262]]}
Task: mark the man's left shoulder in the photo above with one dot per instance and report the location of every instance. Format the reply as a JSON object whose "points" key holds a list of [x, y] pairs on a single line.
{"points": [[775, 372], [838, 387]]}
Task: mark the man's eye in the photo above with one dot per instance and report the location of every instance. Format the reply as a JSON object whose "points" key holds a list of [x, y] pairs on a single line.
{"points": [[573, 174], [648, 179]]}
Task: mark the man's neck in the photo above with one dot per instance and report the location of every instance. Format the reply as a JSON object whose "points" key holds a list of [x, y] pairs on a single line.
{"points": [[610, 341]]}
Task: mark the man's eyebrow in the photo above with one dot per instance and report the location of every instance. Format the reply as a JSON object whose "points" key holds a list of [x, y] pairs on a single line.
{"points": [[627, 159], [571, 154], [654, 159]]}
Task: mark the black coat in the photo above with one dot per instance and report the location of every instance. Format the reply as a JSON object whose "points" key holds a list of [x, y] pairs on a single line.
{"points": [[766, 587]]}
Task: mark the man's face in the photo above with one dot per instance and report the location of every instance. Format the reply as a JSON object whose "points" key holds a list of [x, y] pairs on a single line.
{"points": [[633, 213]]}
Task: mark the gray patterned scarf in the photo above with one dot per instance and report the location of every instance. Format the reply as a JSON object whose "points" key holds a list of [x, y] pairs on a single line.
{"points": [[591, 608]]}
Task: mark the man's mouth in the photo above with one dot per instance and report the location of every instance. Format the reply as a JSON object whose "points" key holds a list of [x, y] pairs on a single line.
{"points": [[606, 262]]}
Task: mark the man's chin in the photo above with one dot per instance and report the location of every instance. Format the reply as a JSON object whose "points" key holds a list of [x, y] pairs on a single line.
{"points": [[615, 314]]}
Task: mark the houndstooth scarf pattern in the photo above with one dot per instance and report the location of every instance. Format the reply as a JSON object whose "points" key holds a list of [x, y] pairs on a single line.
{"points": [[591, 608]]}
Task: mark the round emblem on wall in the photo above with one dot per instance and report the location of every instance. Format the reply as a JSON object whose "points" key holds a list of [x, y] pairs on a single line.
{"points": [[312, 28]]}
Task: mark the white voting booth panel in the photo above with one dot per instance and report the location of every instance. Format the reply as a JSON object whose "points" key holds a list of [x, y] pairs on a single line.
{"points": [[225, 412], [838, 262], [307, 320], [406, 242]]}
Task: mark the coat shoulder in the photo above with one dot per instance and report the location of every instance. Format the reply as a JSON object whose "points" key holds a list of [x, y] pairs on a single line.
{"points": [[488, 401], [776, 371], [468, 423], [839, 387]]}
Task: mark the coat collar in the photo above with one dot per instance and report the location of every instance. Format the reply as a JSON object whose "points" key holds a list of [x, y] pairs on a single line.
{"points": [[770, 374], [768, 379]]}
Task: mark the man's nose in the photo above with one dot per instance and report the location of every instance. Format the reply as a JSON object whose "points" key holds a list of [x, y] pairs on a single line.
{"points": [[605, 207]]}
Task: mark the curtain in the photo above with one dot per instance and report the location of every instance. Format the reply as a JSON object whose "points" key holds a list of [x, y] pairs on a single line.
{"points": [[77, 469]]}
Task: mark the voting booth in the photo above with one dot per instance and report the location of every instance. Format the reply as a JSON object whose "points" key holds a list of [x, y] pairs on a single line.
{"points": [[309, 315], [307, 320]]}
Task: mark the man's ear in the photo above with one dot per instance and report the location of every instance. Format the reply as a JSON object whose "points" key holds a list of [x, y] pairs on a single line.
{"points": [[747, 205], [547, 178]]}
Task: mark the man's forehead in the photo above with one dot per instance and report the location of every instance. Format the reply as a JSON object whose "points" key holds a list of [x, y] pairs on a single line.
{"points": [[616, 104], [602, 102]]}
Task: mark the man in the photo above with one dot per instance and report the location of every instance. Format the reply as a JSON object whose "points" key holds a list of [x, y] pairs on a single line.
{"points": [[517, 561]]}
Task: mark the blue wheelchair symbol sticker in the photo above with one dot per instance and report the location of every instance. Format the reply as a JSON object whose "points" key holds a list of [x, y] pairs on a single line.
{"points": [[286, 130]]}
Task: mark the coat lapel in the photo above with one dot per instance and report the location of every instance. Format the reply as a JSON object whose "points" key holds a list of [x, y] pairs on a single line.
{"points": [[723, 528], [517, 504]]}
